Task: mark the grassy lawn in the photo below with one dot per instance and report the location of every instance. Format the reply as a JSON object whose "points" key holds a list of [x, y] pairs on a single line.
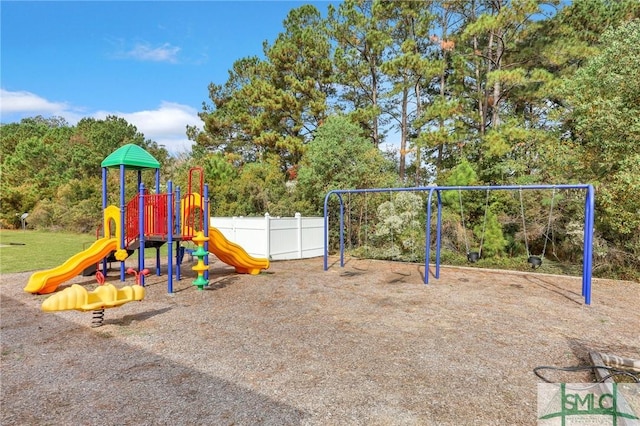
{"points": [[22, 251], [34, 250]]}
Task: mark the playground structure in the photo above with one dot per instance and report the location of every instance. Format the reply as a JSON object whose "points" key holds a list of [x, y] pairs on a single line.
{"points": [[147, 221], [534, 261]]}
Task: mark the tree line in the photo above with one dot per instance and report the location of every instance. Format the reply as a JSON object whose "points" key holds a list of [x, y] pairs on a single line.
{"points": [[52, 171], [474, 92]]}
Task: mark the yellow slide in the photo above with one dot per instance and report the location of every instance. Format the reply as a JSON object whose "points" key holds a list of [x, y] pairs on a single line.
{"points": [[47, 281], [234, 255]]}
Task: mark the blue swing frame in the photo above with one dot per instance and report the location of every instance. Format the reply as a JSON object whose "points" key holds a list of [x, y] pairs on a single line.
{"points": [[589, 216]]}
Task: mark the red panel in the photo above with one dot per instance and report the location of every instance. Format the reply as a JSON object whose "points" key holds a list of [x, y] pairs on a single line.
{"points": [[131, 220]]}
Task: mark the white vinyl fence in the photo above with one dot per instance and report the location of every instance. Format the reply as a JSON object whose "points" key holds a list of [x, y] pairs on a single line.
{"points": [[276, 238]]}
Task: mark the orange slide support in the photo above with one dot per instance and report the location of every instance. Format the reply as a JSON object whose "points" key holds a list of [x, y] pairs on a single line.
{"points": [[44, 282], [234, 255]]}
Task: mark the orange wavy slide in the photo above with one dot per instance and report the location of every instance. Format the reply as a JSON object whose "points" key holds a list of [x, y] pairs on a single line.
{"points": [[43, 282], [234, 255]]}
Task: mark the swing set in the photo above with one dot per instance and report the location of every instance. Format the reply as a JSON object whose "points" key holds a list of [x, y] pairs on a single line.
{"points": [[474, 256]]}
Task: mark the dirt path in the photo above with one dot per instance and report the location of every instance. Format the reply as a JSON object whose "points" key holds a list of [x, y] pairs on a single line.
{"points": [[367, 344]]}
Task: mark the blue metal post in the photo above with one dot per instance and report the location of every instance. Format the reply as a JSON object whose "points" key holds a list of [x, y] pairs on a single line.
{"points": [[427, 238], [438, 234], [158, 270], [177, 229], [326, 230], [170, 236], [587, 262], [141, 236], [123, 228]]}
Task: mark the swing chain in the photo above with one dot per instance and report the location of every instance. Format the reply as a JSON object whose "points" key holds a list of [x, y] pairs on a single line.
{"points": [[464, 228], [546, 236], [366, 226], [393, 206], [484, 224], [524, 225]]}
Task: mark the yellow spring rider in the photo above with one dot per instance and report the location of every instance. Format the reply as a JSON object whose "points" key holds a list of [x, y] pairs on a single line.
{"points": [[104, 296]]}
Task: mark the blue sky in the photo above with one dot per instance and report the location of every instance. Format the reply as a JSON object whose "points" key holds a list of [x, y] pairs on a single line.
{"points": [[149, 62]]}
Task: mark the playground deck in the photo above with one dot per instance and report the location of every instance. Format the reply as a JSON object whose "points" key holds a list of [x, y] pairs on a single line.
{"points": [[365, 344]]}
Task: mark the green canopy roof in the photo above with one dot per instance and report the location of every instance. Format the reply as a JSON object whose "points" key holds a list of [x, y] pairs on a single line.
{"points": [[132, 157]]}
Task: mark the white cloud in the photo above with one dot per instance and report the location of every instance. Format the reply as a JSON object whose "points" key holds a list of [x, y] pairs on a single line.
{"points": [[165, 125], [163, 53], [22, 101]]}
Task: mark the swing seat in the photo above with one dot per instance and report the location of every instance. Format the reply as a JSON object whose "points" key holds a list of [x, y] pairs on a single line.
{"points": [[534, 261], [473, 256]]}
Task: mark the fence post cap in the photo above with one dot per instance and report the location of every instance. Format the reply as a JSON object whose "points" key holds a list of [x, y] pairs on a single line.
{"points": [[266, 214], [298, 214]]}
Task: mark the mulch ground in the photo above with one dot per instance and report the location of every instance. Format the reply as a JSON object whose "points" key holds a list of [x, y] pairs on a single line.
{"points": [[367, 344]]}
